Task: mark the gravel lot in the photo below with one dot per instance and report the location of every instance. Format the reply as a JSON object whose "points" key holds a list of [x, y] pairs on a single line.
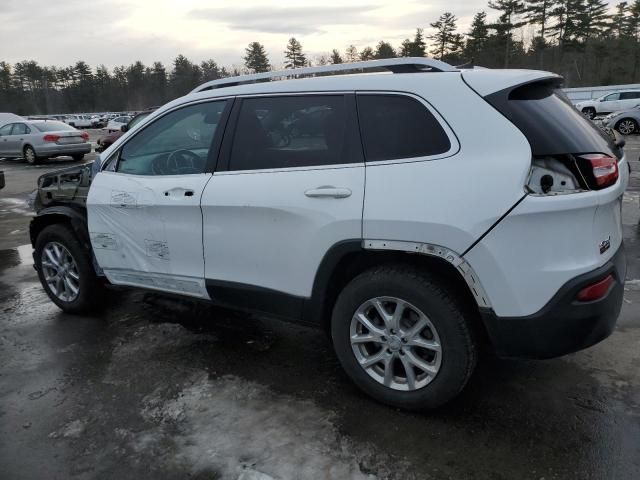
{"points": [[155, 388]]}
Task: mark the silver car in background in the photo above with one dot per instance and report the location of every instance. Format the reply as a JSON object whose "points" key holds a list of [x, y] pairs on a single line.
{"points": [[40, 139], [626, 122]]}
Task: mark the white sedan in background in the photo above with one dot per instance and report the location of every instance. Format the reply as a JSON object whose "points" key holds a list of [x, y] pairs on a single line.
{"points": [[117, 123]]}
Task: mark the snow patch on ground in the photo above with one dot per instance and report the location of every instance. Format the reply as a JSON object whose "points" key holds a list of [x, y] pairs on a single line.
{"points": [[230, 424]]}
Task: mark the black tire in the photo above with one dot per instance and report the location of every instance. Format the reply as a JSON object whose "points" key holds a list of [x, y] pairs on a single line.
{"points": [[590, 112], [627, 126], [30, 155], [91, 290], [78, 156], [439, 304]]}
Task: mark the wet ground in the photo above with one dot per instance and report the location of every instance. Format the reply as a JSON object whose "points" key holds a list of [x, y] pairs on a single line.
{"points": [[155, 388]]}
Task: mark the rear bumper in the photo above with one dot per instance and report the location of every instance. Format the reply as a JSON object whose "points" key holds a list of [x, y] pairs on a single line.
{"points": [[69, 149], [563, 325]]}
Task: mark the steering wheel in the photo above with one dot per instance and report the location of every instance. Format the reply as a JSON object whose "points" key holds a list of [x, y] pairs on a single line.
{"points": [[178, 162]]}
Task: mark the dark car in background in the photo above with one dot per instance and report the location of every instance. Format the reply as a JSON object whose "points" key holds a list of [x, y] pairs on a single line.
{"points": [[107, 140]]}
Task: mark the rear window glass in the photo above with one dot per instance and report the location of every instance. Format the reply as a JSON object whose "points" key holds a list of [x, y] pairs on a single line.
{"points": [[550, 122], [397, 126], [52, 126]]}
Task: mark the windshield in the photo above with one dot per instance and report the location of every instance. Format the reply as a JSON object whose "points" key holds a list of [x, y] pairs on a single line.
{"points": [[51, 126]]}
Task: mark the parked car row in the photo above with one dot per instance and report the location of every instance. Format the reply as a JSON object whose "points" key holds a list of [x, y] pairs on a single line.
{"points": [[86, 120], [610, 103]]}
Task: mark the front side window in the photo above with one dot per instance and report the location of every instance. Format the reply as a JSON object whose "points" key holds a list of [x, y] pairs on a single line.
{"points": [[6, 130], [612, 97], [287, 132], [177, 143], [397, 126]]}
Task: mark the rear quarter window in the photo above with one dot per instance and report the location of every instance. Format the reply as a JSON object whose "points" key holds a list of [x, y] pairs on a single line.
{"points": [[398, 127], [552, 125]]}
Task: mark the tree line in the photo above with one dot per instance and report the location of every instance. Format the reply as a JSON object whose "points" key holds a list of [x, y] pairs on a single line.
{"points": [[583, 40]]}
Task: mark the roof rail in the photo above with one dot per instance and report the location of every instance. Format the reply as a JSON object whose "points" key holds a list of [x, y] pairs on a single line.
{"points": [[395, 65]]}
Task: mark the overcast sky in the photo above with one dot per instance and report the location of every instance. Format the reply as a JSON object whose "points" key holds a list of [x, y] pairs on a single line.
{"points": [[117, 32]]}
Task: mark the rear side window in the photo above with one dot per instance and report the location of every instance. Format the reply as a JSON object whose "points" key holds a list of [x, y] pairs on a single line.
{"points": [[629, 95], [397, 126], [550, 122], [20, 129], [294, 131]]}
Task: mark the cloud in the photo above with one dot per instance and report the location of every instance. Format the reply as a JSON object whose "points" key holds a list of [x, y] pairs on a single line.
{"points": [[289, 20]]}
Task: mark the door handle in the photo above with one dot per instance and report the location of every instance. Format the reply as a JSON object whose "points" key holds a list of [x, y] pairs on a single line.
{"points": [[328, 191], [179, 192]]}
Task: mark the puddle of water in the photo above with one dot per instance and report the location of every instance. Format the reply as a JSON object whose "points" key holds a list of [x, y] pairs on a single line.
{"points": [[16, 256]]}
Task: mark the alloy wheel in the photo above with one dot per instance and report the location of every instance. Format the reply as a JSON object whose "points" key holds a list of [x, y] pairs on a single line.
{"points": [[30, 155], [626, 127], [60, 272], [395, 343]]}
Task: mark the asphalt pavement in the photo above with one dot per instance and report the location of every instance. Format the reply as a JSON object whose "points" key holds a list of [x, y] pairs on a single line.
{"points": [[158, 388]]}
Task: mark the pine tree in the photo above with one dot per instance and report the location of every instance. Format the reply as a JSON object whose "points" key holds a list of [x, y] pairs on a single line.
{"points": [[405, 48], [594, 19], [335, 57], [418, 45], [294, 55], [618, 27], [367, 54], [256, 58], [507, 22], [477, 36], [537, 13], [446, 40], [384, 50], [351, 54]]}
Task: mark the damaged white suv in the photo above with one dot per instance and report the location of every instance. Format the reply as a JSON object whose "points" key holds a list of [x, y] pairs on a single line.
{"points": [[415, 213]]}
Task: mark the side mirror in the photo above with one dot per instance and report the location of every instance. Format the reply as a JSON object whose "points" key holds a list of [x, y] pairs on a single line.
{"points": [[124, 128]]}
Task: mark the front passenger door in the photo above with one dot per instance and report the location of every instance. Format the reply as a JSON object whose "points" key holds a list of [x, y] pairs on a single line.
{"points": [[5, 133], [609, 104], [145, 221]]}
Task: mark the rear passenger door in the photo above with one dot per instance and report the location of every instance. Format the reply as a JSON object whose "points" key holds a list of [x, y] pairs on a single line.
{"points": [[289, 186]]}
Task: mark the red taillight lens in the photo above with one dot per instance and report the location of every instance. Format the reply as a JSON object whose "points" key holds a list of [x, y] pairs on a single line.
{"points": [[51, 138], [85, 135], [604, 167], [596, 290]]}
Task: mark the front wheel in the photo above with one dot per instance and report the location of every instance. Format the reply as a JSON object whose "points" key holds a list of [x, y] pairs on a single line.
{"points": [[65, 270], [589, 112], [403, 338], [627, 126]]}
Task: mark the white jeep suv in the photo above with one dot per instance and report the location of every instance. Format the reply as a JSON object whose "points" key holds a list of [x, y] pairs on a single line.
{"points": [[415, 212]]}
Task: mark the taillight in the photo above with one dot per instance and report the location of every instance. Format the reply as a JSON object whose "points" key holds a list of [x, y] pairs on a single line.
{"points": [[51, 138], [596, 290], [603, 168], [85, 135]]}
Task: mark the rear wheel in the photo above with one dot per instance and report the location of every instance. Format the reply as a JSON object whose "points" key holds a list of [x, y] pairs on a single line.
{"points": [[65, 270], [403, 338], [78, 156], [589, 112], [30, 155], [627, 126]]}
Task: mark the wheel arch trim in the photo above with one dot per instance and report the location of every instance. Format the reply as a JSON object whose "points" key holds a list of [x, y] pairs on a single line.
{"points": [[450, 256]]}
